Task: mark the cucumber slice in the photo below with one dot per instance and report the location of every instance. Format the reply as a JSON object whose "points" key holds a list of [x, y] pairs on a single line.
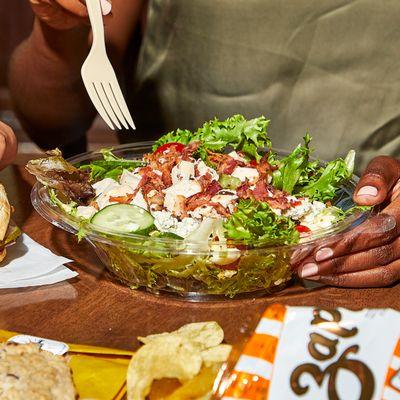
{"points": [[123, 218]]}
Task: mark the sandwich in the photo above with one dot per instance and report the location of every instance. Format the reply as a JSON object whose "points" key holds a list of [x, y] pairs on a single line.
{"points": [[8, 231]]}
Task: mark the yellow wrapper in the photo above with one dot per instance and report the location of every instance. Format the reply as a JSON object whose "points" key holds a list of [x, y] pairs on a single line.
{"points": [[98, 372]]}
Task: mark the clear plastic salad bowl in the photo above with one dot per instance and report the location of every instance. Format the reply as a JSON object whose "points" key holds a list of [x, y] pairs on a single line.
{"points": [[189, 269]]}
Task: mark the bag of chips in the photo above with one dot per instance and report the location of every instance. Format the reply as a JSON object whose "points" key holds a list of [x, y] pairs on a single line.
{"points": [[313, 353]]}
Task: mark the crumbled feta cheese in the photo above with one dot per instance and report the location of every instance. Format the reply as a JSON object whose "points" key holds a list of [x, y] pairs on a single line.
{"points": [[299, 211], [129, 178], [186, 227], [166, 222], [85, 212], [320, 217], [243, 173], [204, 169], [236, 156], [183, 171], [104, 185]]}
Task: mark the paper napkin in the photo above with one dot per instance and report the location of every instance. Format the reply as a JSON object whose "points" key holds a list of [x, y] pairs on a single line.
{"points": [[30, 264]]}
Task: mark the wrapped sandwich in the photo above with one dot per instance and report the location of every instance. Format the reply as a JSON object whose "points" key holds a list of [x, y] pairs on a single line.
{"points": [[8, 231]]}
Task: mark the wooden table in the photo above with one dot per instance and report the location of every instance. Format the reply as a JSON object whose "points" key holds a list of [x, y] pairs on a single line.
{"points": [[96, 309]]}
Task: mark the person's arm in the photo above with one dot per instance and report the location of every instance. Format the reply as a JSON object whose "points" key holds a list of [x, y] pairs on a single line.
{"points": [[44, 77], [8, 145]]}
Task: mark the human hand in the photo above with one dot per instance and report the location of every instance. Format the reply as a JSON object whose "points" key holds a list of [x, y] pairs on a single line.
{"points": [[65, 14], [369, 255], [8, 145]]}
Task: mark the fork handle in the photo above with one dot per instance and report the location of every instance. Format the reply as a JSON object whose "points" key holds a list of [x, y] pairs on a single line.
{"points": [[96, 21]]}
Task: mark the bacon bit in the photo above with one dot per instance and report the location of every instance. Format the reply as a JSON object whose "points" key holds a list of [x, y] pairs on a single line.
{"points": [[260, 191], [303, 229], [205, 180], [244, 191], [190, 149], [220, 209], [122, 199], [264, 167], [225, 164], [229, 166], [166, 177], [280, 203], [213, 188]]}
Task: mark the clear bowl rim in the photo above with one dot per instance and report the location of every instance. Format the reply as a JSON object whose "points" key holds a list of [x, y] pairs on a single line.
{"points": [[50, 212]]}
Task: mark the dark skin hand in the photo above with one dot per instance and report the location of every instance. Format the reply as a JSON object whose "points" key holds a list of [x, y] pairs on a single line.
{"points": [[369, 255]]}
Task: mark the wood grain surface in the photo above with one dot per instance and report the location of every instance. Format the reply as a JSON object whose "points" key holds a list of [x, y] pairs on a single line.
{"points": [[96, 309]]}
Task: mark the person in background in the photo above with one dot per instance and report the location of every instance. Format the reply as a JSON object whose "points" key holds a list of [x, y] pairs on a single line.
{"points": [[325, 67], [8, 145]]}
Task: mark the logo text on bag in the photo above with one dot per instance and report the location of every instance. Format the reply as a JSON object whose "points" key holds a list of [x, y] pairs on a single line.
{"points": [[317, 342]]}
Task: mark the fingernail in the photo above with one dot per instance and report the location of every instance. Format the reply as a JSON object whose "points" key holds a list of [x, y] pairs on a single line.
{"points": [[105, 7], [308, 269], [368, 191], [323, 254]]}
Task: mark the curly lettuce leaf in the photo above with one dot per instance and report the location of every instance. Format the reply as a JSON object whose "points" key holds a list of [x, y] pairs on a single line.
{"points": [[293, 167], [325, 184], [255, 221], [248, 136]]}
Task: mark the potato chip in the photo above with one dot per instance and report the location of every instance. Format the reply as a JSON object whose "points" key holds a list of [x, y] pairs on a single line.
{"points": [[167, 356], [199, 387], [205, 334], [162, 388], [217, 354]]}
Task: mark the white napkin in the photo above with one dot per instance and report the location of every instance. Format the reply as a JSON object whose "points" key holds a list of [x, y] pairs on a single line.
{"points": [[30, 264]]}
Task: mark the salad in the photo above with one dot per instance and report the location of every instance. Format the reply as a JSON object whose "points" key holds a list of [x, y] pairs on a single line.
{"points": [[221, 189]]}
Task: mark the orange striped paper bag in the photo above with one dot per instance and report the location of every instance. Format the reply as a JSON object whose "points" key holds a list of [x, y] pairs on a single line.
{"points": [[311, 353]]}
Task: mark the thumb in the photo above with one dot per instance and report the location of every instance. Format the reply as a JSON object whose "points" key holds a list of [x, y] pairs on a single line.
{"points": [[377, 181]]}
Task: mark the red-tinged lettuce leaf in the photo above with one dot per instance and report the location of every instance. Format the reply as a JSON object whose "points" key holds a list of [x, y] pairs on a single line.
{"points": [[58, 174]]}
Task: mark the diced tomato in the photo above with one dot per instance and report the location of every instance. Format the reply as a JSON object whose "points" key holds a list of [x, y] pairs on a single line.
{"points": [[302, 228], [295, 203], [179, 147], [253, 163]]}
